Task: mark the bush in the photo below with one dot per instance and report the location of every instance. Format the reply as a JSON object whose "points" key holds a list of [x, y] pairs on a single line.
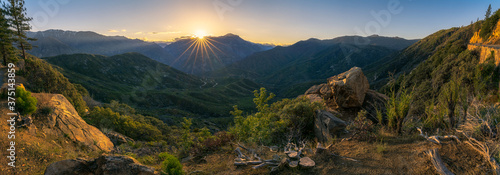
{"points": [[362, 127], [271, 123], [25, 103], [170, 164], [212, 144], [397, 109], [132, 127]]}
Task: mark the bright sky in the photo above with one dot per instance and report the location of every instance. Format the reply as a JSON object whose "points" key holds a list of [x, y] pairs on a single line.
{"points": [[263, 21]]}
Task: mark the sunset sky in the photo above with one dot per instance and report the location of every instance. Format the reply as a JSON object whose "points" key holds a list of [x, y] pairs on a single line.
{"points": [[263, 21]]}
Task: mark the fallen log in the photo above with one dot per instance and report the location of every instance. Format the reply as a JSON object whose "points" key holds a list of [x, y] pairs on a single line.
{"points": [[436, 139], [437, 162]]}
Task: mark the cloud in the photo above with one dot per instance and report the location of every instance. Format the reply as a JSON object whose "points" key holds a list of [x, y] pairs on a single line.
{"points": [[163, 33], [116, 31], [138, 33]]}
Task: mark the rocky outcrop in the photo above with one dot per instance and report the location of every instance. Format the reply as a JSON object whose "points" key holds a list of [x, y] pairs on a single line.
{"points": [[485, 51], [348, 89], [103, 165], [348, 93], [65, 122], [326, 126], [118, 138]]}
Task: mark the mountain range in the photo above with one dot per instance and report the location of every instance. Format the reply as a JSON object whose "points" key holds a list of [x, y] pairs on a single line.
{"points": [[225, 49], [290, 70]]}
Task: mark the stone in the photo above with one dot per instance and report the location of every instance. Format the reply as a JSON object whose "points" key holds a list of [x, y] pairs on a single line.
{"points": [[65, 122], [315, 98], [293, 164], [103, 165], [306, 162], [315, 89], [326, 125], [349, 88], [118, 138]]}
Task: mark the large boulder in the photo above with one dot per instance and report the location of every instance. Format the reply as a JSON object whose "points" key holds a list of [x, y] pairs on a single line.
{"points": [[349, 88], [103, 165], [65, 122], [326, 126]]}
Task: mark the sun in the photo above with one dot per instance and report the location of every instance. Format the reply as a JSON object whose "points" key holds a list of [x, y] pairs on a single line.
{"points": [[200, 34]]}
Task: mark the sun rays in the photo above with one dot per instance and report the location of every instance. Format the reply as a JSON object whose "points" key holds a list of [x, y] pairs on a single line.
{"points": [[202, 53]]}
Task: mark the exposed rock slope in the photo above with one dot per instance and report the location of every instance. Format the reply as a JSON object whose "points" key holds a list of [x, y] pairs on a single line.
{"points": [[65, 121]]}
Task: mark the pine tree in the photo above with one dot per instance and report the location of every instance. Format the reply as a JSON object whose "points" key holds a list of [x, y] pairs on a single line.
{"points": [[488, 12], [19, 21], [6, 48]]}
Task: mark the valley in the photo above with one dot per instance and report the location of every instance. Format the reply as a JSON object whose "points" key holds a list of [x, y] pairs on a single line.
{"points": [[144, 95]]}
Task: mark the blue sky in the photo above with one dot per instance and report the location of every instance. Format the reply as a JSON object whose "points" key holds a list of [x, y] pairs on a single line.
{"points": [[264, 21]]}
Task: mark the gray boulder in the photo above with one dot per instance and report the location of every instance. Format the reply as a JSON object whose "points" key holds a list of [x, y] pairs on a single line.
{"points": [[326, 126]]}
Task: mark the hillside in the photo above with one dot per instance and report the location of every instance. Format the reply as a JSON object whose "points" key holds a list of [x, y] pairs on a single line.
{"points": [[196, 55], [142, 82], [313, 60]]}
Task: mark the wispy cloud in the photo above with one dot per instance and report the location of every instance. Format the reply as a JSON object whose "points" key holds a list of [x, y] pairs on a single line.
{"points": [[116, 31], [163, 33], [138, 33]]}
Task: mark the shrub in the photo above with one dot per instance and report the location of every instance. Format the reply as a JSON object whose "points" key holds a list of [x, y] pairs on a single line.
{"points": [[170, 164], [212, 144], [362, 127], [25, 103], [434, 116], [397, 108], [127, 125], [271, 123]]}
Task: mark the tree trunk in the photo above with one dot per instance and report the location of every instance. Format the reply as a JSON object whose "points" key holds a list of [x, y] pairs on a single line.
{"points": [[4, 55], [24, 50]]}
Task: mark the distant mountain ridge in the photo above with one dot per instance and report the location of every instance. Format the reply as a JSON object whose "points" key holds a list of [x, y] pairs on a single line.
{"points": [[227, 48], [312, 60], [209, 53]]}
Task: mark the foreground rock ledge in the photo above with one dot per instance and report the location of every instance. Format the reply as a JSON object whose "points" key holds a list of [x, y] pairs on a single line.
{"points": [[103, 165]]}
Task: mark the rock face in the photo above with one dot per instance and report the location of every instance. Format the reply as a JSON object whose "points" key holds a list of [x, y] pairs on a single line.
{"points": [[118, 138], [326, 126], [104, 165], [65, 121], [349, 88]]}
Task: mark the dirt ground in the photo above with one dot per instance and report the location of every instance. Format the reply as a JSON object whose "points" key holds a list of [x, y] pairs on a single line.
{"points": [[393, 156]]}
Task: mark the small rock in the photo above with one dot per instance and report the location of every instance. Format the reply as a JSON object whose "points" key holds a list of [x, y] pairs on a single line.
{"points": [[306, 162], [293, 164]]}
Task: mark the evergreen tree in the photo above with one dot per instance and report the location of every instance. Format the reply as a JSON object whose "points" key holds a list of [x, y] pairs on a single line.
{"points": [[488, 12], [6, 47], [19, 21]]}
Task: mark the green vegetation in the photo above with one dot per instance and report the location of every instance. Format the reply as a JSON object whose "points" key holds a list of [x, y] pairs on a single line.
{"points": [[41, 77], [272, 123], [25, 103], [6, 48], [19, 22], [362, 127], [132, 127], [153, 88], [489, 25], [170, 164], [397, 109]]}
